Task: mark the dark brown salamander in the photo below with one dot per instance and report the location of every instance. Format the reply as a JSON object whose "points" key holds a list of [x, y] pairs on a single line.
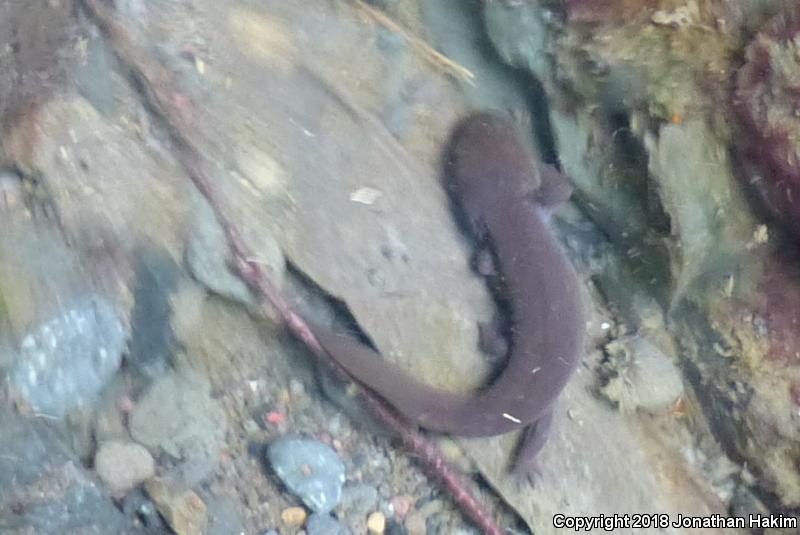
{"points": [[505, 201]]}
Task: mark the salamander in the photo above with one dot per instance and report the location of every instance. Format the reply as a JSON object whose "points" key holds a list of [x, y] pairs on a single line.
{"points": [[504, 199]]}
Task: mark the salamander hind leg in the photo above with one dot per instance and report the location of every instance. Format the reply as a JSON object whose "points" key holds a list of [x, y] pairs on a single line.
{"points": [[525, 464], [483, 262], [493, 339], [554, 188]]}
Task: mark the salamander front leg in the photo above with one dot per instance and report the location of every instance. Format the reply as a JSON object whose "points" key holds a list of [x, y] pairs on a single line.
{"points": [[530, 444], [554, 189], [483, 262], [493, 339]]}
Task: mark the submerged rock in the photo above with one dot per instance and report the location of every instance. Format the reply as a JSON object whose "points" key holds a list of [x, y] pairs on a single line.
{"points": [[310, 469], [639, 375], [65, 361], [45, 488], [123, 465], [207, 253], [178, 416]]}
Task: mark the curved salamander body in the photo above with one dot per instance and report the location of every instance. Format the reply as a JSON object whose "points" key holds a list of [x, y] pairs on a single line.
{"points": [[504, 199]]}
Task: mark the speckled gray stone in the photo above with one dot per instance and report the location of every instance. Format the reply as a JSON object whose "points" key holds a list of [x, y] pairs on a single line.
{"points": [[309, 469], [65, 361]]}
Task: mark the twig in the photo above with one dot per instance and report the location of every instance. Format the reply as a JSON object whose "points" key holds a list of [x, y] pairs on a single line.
{"points": [[424, 49], [157, 88]]}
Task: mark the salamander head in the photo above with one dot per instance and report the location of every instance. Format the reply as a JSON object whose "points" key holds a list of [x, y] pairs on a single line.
{"points": [[488, 163]]}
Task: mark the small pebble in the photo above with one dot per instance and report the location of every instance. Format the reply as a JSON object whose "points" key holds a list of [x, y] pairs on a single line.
{"points": [[416, 522], [357, 500], [250, 427], [275, 417], [325, 525], [10, 189], [123, 465], [376, 523], [335, 424], [297, 388], [309, 469], [137, 504], [294, 516], [401, 505], [393, 527], [184, 511]]}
